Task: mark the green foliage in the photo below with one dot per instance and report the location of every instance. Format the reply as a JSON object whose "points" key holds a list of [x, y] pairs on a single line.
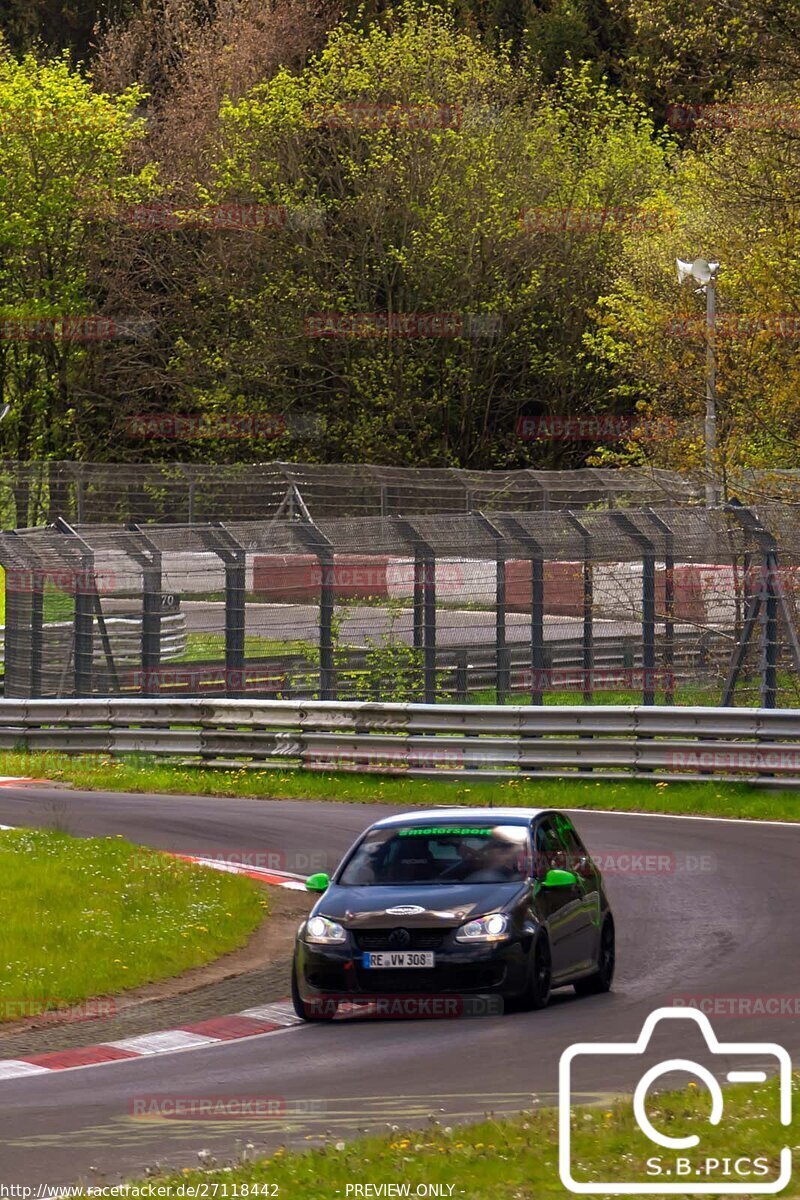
{"points": [[730, 198], [62, 169], [484, 166], [420, 214]]}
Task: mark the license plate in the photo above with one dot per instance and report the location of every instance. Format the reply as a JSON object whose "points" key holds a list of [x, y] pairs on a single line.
{"points": [[397, 958]]}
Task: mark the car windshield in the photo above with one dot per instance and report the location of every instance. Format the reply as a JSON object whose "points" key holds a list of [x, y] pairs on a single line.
{"points": [[438, 854]]}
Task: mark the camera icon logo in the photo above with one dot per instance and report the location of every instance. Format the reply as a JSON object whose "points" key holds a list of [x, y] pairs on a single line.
{"points": [[691, 1174]]}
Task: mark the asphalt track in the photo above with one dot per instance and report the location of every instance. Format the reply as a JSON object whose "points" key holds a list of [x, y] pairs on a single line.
{"points": [[721, 920]]}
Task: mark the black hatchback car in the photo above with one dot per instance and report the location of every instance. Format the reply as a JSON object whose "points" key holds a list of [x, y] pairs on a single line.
{"points": [[467, 902]]}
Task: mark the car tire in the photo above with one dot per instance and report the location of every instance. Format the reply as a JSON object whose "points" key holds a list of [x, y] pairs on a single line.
{"points": [[539, 979], [600, 981], [303, 1010]]}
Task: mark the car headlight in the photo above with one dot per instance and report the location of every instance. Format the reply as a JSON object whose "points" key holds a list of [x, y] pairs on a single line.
{"points": [[322, 932], [484, 929]]}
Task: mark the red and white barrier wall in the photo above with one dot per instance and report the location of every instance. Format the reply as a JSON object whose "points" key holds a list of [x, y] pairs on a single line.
{"points": [[704, 594]]}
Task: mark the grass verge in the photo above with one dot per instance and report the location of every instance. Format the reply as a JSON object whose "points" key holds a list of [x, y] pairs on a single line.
{"points": [[86, 917], [517, 1158], [142, 774]]}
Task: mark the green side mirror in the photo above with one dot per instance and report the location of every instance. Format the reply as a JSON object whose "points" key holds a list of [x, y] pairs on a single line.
{"points": [[556, 878], [319, 882]]}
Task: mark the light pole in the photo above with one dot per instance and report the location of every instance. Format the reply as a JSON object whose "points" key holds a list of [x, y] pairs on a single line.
{"points": [[705, 274]]}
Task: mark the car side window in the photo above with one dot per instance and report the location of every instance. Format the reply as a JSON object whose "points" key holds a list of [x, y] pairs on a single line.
{"points": [[578, 859], [548, 850]]}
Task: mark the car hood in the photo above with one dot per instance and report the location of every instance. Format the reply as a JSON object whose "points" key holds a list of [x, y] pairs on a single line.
{"points": [[446, 904]]}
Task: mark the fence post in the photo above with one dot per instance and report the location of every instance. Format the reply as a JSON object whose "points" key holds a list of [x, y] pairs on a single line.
{"points": [[769, 634], [418, 602], [84, 629], [539, 658], [669, 604], [429, 647], [588, 607], [502, 672], [148, 556], [319, 545], [647, 550], [425, 597], [83, 619], [234, 558]]}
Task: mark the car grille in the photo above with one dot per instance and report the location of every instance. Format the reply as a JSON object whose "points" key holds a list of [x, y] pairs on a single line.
{"points": [[379, 939], [466, 978]]}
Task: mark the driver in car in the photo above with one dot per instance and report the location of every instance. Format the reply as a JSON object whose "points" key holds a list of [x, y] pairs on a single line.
{"points": [[498, 862]]}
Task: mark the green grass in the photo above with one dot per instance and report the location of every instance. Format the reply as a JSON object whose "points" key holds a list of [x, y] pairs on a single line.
{"points": [[517, 1158], [91, 917], [142, 774], [705, 693], [202, 646]]}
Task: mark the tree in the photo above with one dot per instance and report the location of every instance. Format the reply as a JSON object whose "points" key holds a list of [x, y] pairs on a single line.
{"points": [[418, 151], [732, 198], [62, 169]]}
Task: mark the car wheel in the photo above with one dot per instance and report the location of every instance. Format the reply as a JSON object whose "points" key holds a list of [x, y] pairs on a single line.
{"points": [[539, 979], [305, 1011], [602, 978]]}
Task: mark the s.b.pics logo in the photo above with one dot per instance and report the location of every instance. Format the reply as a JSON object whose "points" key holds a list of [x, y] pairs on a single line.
{"points": [[676, 1160]]}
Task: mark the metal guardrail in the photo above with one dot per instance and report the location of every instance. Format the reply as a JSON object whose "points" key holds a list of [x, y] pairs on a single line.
{"points": [[448, 741]]}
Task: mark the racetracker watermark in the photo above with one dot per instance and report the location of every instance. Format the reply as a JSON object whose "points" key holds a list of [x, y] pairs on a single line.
{"points": [[736, 325], [403, 325], [404, 1007], [632, 862], [588, 220], [232, 215], [60, 1012], [405, 757], [758, 1007], [733, 116], [188, 428], [741, 758], [81, 582], [221, 1107], [74, 329], [602, 428], [207, 679], [295, 862], [598, 679]]}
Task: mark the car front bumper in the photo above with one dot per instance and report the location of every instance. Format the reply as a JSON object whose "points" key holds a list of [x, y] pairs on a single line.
{"points": [[496, 968]]}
